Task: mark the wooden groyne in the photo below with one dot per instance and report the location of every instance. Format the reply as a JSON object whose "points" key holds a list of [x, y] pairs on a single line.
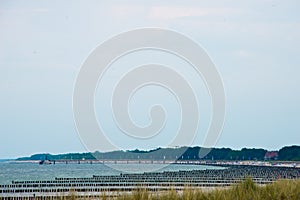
{"points": [[153, 181]]}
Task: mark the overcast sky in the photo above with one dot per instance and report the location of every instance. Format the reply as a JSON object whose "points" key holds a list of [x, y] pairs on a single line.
{"points": [[254, 44]]}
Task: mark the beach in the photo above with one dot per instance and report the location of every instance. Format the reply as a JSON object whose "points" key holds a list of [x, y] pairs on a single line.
{"points": [[206, 178]]}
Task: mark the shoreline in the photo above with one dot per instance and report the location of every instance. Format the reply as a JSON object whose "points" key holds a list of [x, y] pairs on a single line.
{"points": [[154, 181], [292, 164]]}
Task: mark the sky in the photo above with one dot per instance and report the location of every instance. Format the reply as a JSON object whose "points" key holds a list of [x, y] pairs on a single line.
{"points": [[254, 44]]}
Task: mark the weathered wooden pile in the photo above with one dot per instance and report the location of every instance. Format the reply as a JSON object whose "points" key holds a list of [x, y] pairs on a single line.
{"points": [[153, 181]]}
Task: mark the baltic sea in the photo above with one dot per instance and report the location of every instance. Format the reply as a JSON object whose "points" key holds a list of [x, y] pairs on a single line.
{"points": [[32, 171]]}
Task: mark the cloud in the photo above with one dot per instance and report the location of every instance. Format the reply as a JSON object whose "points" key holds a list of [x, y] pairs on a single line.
{"points": [[170, 13], [242, 53], [126, 10], [23, 11]]}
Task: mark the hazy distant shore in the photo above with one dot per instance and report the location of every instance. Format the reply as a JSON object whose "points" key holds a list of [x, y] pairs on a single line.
{"points": [[294, 164], [287, 153]]}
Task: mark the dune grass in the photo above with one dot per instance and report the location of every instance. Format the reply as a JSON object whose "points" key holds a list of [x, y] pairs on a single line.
{"points": [[246, 190]]}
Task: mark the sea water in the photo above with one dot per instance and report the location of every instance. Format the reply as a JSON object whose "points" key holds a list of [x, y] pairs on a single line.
{"points": [[33, 171]]}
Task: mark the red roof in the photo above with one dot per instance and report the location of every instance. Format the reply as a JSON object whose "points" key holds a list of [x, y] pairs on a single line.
{"points": [[271, 154]]}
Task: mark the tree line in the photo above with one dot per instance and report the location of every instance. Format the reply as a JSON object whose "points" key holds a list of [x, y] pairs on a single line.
{"points": [[288, 153]]}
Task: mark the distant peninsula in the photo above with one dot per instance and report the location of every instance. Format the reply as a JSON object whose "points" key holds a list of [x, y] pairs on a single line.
{"points": [[287, 153]]}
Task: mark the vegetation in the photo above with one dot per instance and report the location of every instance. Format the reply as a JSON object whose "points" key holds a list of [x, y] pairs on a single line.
{"points": [[291, 153], [247, 190]]}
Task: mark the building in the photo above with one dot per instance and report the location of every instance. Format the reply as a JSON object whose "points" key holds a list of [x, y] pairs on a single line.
{"points": [[271, 155]]}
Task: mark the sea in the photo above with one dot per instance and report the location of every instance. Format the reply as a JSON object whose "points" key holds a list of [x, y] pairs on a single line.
{"points": [[12, 171]]}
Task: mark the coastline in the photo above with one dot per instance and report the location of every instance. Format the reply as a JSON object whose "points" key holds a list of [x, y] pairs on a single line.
{"points": [[208, 179], [292, 164]]}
